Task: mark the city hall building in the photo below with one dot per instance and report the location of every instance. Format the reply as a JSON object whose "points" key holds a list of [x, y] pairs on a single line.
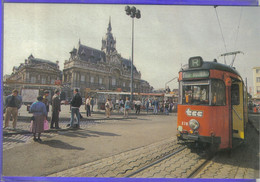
{"points": [[91, 69], [88, 69]]}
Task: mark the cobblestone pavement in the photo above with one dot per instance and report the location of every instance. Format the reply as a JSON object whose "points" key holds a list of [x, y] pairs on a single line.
{"points": [[180, 165], [122, 164], [242, 163]]}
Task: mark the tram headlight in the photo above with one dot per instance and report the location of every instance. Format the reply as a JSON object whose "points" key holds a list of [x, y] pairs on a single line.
{"points": [[194, 124]]}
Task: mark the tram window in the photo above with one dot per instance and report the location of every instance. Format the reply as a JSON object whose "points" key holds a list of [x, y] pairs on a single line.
{"points": [[218, 96], [195, 94], [235, 94]]}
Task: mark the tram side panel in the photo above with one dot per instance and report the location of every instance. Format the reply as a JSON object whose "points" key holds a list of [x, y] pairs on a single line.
{"points": [[237, 110]]}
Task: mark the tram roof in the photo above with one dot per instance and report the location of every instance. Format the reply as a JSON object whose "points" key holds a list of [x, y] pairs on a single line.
{"points": [[212, 65]]}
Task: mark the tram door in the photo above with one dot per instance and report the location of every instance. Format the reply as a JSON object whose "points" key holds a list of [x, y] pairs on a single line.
{"points": [[237, 109]]}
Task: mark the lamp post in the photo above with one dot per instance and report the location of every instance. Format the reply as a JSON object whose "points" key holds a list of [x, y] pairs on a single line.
{"points": [[169, 82], [133, 13]]}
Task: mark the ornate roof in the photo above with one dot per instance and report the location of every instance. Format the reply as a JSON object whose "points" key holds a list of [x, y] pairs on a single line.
{"points": [[127, 63], [41, 61], [86, 53]]}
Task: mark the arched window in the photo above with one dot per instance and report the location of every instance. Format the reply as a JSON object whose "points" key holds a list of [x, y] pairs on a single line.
{"points": [[113, 81]]}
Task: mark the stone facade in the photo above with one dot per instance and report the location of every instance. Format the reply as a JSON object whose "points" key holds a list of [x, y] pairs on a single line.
{"points": [[256, 82], [105, 69], [34, 73]]}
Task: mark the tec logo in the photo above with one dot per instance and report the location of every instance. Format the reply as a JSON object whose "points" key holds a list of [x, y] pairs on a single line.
{"points": [[194, 113]]}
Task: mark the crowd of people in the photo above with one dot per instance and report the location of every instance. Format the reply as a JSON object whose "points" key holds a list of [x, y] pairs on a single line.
{"points": [[41, 108], [155, 105]]}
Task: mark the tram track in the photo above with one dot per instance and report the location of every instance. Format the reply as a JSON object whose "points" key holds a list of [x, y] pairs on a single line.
{"points": [[199, 169], [155, 162], [181, 163]]}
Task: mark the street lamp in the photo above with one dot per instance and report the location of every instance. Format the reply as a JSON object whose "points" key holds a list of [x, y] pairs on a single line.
{"points": [[133, 13]]}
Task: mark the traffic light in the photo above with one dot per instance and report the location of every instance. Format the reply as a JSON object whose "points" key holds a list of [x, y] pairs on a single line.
{"points": [[138, 14], [128, 10], [133, 10]]}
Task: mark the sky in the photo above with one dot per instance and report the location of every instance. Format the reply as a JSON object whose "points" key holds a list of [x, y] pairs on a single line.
{"points": [[165, 37]]}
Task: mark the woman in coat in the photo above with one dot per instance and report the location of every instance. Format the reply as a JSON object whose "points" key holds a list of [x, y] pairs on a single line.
{"points": [[108, 108], [39, 111], [127, 107]]}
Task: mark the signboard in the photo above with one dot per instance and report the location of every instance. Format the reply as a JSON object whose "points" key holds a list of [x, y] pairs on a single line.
{"points": [[195, 74], [195, 62], [29, 95]]}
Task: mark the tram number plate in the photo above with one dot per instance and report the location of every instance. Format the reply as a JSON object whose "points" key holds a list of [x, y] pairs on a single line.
{"points": [[183, 123]]}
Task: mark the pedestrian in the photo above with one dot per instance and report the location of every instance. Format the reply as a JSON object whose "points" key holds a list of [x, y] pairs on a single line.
{"points": [[147, 102], [108, 108], [121, 103], [88, 102], [118, 105], [46, 100], [138, 106], [166, 107], [171, 107], [55, 110], [111, 105], [155, 103], [127, 107], [39, 111], [75, 105], [13, 103], [92, 102], [161, 106]]}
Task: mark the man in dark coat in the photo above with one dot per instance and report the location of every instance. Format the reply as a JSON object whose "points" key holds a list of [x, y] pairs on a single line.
{"points": [[55, 110], [13, 102], [75, 103]]}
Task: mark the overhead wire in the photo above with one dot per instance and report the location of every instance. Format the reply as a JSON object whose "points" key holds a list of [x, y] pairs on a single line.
{"points": [[241, 11], [220, 28], [234, 56]]}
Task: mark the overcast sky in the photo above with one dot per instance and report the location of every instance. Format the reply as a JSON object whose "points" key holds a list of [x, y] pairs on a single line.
{"points": [[165, 36]]}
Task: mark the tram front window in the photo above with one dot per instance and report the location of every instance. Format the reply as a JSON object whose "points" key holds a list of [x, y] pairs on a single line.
{"points": [[198, 93], [195, 94]]}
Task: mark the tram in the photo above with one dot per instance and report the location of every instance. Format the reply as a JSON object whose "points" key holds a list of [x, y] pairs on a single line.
{"points": [[212, 109]]}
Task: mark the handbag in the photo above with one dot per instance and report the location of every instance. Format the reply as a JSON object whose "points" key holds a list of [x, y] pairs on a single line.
{"points": [[46, 125], [31, 125]]}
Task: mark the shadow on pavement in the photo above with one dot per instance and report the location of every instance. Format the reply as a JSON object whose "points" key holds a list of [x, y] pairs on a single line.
{"points": [[13, 140], [86, 133], [61, 145], [102, 133]]}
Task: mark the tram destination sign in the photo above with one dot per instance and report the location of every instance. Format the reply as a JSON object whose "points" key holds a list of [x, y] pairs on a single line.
{"points": [[195, 74], [195, 62]]}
